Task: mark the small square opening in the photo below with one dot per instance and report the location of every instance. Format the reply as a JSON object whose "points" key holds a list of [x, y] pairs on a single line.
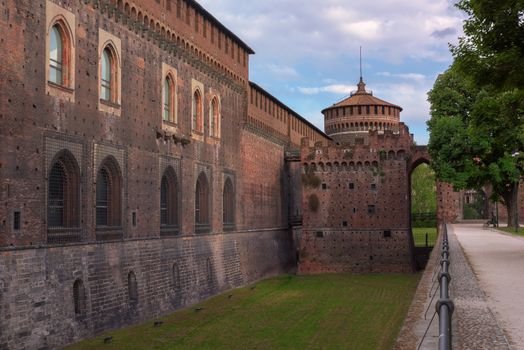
{"points": [[387, 233], [351, 186]]}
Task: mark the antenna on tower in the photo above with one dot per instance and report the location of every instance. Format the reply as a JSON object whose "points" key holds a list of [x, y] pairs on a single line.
{"points": [[361, 63]]}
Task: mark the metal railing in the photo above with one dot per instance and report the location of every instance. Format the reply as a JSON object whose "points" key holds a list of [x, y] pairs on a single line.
{"points": [[444, 306]]}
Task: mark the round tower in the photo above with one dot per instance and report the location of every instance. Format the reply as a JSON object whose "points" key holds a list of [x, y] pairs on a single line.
{"points": [[360, 113]]}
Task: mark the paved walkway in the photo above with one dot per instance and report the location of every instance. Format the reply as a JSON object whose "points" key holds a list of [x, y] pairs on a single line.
{"points": [[497, 259]]}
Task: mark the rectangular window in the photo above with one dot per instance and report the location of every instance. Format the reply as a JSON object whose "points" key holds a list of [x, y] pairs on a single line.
{"points": [[351, 186], [324, 186], [17, 220], [371, 209], [387, 233], [373, 187], [133, 218]]}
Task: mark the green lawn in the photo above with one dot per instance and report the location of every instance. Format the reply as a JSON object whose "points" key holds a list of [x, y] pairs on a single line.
{"points": [[512, 230], [419, 235], [332, 311]]}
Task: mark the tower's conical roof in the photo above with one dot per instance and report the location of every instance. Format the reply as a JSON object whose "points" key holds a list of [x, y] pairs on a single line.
{"points": [[362, 97]]}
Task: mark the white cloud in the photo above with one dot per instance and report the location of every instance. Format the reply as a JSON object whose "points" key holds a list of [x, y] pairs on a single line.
{"points": [[282, 72], [405, 76], [339, 89]]}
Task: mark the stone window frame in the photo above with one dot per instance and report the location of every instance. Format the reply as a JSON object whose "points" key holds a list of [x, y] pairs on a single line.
{"points": [[168, 72], [215, 125], [197, 109], [111, 42], [66, 22]]}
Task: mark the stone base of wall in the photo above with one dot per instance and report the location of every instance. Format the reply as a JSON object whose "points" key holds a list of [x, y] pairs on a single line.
{"points": [[366, 251], [36, 285]]}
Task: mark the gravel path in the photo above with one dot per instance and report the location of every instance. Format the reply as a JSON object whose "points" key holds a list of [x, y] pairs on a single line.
{"points": [[474, 324], [498, 262]]}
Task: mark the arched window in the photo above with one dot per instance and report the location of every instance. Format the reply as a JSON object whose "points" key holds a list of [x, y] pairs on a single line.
{"points": [[132, 288], [197, 112], [108, 195], [79, 298], [169, 99], [214, 118], [228, 204], [108, 75], [63, 199], [169, 203], [56, 55], [202, 203]]}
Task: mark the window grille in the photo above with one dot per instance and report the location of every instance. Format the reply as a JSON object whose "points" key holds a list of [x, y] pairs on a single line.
{"points": [[109, 201], [63, 199]]}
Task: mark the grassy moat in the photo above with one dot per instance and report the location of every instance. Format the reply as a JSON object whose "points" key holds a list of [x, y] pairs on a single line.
{"points": [[332, 311]]}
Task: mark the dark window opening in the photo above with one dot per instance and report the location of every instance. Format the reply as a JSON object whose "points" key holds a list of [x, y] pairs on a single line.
{"points": [[132, 288], [17, 220], [387, 233], [351, 186], [133, 219], [324, 186], [371, 209], [202, 203], [109, 196], [228, 205], [320, 234], [373, 187], [169, 211], [344, 223], [79, 298]]}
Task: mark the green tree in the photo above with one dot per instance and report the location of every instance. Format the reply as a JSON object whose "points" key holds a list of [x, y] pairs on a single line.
{"points": [[477, 106], [423, 190]]}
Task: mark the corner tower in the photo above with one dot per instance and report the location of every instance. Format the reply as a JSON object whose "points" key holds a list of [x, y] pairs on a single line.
{"points": [[360, 113]]}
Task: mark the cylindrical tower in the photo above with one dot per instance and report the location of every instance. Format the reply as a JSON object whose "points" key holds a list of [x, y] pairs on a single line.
{"points": [[360, 113]]}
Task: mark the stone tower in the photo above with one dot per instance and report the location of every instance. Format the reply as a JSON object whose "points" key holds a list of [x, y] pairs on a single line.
{"points": [[359, 113]]}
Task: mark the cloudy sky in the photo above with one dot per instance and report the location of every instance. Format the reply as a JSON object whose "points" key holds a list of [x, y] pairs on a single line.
{"points": [[307, 52]]}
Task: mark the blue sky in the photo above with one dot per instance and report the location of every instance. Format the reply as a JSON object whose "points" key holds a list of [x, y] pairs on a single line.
{"points": [[307, 52]]}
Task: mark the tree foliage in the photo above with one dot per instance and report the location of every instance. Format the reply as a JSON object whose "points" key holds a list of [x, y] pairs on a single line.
{"points": [[423, 190], [477, 105]]}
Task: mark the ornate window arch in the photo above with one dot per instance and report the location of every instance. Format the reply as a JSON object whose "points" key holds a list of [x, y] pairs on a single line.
{"points": [[228, 206], [169, 99], [214, 117], [202, 203], [63, 198], [60, 53], [109, 66], [59, 56], [109, 194], [169, 203], [197, 110]]}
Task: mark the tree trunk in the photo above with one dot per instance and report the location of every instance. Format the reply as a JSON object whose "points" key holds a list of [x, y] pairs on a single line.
{"points": [[511, 201]]}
